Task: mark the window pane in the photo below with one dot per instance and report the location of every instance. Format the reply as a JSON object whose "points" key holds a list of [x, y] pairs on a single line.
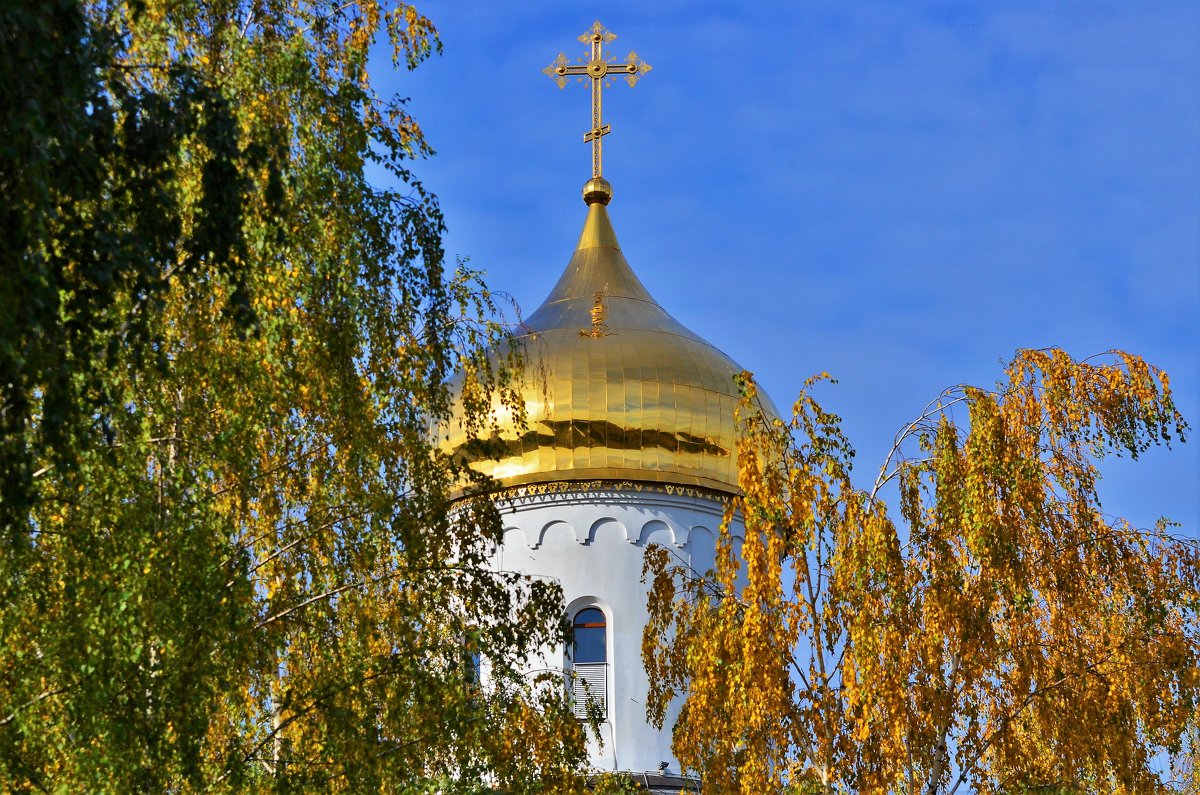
{"points": [[589, 628], [589, 645], [591, 616]]}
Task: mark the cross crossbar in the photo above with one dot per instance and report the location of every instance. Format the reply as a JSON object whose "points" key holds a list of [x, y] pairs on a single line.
{"points": [[600, 70]]}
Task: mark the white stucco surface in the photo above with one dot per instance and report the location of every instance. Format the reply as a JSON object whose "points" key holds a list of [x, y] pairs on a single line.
{"points": [[592, 542]]}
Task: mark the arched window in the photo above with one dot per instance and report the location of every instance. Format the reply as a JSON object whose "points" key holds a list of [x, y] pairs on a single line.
{"points": [[589, 655]]}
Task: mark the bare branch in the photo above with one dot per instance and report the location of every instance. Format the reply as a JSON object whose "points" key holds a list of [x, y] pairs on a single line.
{"points": [[42, 696]]}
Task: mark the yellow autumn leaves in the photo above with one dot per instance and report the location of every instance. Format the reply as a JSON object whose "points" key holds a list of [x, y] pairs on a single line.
{"points": [[1002, 632]]}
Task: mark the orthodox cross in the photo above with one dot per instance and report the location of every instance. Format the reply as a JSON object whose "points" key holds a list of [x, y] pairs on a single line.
{"points": [[600, 70]]}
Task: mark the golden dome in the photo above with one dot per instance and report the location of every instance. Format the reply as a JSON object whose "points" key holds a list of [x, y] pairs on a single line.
{"points": [[614, 387]]}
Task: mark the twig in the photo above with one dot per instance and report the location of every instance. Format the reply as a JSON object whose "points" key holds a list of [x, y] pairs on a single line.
{"points": [[45, 694]]}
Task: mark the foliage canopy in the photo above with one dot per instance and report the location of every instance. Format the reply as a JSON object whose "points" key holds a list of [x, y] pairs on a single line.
{"points": [[1008, 635], [230, 556]]}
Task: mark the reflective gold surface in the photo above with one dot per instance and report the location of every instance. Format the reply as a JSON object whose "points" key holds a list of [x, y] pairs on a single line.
{"points": [[597, 189], [646, 400]]}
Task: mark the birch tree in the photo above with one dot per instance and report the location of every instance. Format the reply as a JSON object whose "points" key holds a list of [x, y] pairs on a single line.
{"points": [[233, 559], [1003, 635]]}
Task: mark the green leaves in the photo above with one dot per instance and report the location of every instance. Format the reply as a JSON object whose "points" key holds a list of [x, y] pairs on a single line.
{"points": [[232, 560]]}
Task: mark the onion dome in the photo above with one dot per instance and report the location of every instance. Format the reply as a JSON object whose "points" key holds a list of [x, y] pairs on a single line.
{"points": [[614, 387]]}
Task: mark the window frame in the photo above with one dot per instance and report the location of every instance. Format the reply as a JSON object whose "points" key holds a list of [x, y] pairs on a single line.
{"points": [[598, 675]]}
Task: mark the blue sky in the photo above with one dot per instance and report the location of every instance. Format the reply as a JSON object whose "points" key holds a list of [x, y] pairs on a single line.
{"points": [[899, 193]]}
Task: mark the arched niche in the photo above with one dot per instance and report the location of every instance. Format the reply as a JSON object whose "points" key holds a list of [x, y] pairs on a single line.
{"points": [[555, 532], [606, 529], [656, 531], [701, 548], [514, 536]]}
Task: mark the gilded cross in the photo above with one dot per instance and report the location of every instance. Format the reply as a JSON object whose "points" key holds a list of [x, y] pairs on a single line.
{"points": [[599, 70]]}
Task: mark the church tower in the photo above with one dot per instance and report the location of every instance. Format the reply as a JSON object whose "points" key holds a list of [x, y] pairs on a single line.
{"points": [[629, 440]]}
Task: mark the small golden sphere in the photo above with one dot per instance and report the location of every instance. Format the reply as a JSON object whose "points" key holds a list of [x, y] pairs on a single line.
{"points": [[597, 189]]}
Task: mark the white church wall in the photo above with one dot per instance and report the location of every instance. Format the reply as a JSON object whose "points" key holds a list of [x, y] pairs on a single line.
{"points": [[592, 543]]}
